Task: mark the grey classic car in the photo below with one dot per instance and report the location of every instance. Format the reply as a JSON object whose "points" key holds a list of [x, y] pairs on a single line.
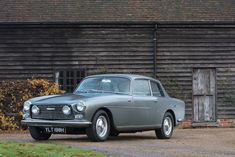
{"points": [[103, 106]]}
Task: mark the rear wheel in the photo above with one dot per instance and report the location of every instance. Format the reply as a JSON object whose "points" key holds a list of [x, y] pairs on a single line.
{"points": [[38, 133], [100, 128], [166, 130]]}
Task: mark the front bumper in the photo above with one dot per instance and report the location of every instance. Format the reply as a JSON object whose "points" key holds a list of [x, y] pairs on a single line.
{"points": [[56, 123]]}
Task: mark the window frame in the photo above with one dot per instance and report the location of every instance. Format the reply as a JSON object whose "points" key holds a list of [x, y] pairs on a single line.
{"points": [[159, 88]]}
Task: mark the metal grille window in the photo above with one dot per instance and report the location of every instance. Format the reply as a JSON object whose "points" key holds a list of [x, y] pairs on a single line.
{"points": [[69, 79]]}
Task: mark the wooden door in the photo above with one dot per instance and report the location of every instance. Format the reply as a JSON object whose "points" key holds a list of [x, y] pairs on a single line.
{"points": [[204, 94]]}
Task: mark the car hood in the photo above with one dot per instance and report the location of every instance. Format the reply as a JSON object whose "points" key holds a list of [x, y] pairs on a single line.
{"points": [[64, 98]]}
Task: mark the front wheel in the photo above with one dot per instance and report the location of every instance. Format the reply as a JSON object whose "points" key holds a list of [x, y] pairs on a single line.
{"points": [[166, 130], [38, 133], [100, 128]]}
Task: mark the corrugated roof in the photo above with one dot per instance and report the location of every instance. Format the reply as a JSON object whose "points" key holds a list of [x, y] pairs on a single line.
{"points": [[116, 10]]}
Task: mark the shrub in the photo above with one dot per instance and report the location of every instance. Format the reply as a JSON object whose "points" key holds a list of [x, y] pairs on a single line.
{"points": [[13, 93], [7, 123]]}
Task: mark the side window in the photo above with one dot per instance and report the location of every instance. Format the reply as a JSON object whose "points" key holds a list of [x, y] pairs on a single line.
{"points": [[156, 89], [141, 87]]}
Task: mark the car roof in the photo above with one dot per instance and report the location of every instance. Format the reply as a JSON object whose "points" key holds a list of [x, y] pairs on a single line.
{"points": [[130, 76]]}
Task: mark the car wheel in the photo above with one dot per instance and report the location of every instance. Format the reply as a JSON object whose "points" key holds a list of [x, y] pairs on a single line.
{"points": [[100, 128], [38, 133], [166, 130]]}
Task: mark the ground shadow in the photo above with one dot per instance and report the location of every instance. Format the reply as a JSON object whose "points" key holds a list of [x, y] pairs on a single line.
{"points": [[84, 138]]}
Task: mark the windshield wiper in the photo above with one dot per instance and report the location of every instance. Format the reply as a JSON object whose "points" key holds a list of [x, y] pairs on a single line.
{"points": [[98, 91], [94, 91], [81, 91]]}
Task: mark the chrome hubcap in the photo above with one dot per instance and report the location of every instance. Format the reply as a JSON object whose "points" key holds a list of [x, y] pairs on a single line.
{"points": [[101, 126], [167, 126]]}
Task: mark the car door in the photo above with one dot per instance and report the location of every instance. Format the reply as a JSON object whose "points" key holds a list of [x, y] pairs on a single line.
{"points": [[120, 104], [159, 106], [143, 102]]}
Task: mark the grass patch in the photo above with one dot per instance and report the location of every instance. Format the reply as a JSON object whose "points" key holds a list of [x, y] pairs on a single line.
{"points": [[16, 149]]}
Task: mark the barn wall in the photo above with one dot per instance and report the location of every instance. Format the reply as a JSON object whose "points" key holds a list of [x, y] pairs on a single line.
{"points": [[35, 50], [180, 48], [38, 50]]}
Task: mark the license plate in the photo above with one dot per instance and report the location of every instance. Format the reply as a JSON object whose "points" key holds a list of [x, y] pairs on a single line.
{"points": [[55, 130]]}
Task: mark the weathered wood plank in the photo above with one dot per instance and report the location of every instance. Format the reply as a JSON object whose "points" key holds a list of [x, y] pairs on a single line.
{"points": [[34, 48], [182, 48]]}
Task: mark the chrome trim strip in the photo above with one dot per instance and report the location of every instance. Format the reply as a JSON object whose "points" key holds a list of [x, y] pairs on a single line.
{"points": [[50, 109], [128, 107]]}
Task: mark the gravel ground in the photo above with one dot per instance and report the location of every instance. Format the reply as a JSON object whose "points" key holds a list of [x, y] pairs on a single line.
{"points": [[184, 143]]}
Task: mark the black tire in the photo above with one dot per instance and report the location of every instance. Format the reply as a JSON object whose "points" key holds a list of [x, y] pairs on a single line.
{"points": [[165, 132], [93, 134], [114, 133], [38, 133]]}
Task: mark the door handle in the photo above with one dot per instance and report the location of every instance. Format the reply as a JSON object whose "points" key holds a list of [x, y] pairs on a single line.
{"points": [[128, 100], [155, 100]]}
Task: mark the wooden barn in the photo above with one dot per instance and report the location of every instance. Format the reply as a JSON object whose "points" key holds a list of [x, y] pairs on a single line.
{"points": [[188, 45]]}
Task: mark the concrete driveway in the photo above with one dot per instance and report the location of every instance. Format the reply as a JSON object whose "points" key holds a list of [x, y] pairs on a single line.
{"points": [[184, 143]]}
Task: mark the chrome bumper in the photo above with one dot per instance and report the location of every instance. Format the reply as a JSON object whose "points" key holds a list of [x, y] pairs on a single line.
{"points": [[56, 123], [179, 120]]}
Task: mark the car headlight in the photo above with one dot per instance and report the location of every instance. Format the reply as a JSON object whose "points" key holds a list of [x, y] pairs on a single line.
{"points": [[27, 105], [35, 110], [80, 106], [66, 110]]}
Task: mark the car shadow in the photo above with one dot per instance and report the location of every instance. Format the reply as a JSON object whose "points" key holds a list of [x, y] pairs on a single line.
{"points": [[84, 138], [131, 137]]}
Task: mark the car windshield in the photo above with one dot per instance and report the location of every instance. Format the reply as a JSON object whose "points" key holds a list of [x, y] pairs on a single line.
{"points": [[118, 85]]}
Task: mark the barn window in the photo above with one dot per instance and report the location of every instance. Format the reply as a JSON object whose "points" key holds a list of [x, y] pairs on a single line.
{"points": [[69, 79]]}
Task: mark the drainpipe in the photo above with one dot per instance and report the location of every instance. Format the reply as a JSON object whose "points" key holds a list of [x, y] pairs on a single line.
{"points": [[155, 50]]}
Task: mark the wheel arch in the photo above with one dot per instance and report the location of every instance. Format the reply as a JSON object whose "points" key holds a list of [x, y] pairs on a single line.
{"points": [[173, 115], [112, 124]]}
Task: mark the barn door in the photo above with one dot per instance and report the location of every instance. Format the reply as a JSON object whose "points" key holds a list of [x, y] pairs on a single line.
{"points": [[204, 95]]}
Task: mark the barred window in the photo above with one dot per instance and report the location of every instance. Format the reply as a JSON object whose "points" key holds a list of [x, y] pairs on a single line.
{"points": [[69, 79]]}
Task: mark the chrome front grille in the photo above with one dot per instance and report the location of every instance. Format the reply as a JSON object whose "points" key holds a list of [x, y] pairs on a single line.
{"points": [[52, 112]]}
